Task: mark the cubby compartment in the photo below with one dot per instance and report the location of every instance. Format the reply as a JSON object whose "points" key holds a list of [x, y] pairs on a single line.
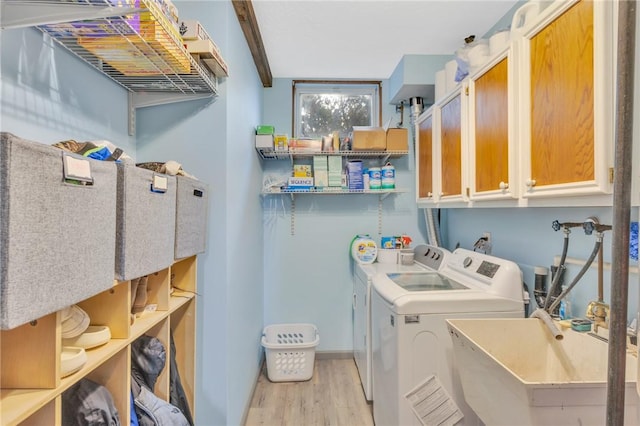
{"points": [[145, 222], [183, 322], [158, 290], [110, 308], [114, 375], [34, 347], [191, 217], [56, 207], [161, 332], [49, 414], [183, 275]]}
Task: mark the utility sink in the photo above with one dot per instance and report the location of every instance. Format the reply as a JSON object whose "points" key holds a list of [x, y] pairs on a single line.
{"points": [[513, 372]]}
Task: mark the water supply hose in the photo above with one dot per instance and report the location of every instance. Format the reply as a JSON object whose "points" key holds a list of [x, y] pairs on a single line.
{"points": [[601, 276], [585, 268], [560, 270], [433, 229]]}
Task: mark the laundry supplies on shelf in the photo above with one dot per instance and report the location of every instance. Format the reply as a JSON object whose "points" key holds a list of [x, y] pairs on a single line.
{"points": [[364, 250]]}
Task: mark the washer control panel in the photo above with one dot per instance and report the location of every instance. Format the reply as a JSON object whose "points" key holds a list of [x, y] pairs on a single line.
{"points": [[430, 256], [493, 274]]}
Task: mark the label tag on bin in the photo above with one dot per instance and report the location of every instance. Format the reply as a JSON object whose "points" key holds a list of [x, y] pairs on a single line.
{"points": [[159, 184], [77, 169]]}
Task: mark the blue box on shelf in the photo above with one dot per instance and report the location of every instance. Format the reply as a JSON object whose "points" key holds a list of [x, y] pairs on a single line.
{"points": [[354, 175]]}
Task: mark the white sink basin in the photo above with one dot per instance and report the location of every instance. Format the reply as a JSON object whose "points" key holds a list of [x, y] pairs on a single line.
{"points": [[513, 372]]}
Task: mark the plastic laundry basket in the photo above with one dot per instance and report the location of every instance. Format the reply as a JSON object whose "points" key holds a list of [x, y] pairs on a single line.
{"points": [[290, 351]]}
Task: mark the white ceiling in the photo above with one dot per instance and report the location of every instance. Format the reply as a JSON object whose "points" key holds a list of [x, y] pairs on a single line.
{"points": [[365, 39]]}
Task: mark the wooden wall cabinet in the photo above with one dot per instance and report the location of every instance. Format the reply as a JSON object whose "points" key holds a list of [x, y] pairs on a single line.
{"points": [[450, 147], [567, 100], [492, 142], [424, 129], [536, 125], [441, 151], [30, 354]]}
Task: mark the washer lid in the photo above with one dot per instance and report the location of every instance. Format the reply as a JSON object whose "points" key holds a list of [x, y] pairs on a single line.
{"points": [[425, 282], [367, 272], [446, 295]]}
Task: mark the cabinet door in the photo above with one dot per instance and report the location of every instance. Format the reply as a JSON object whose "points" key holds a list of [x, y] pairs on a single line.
{"points": [[570, 108], [424, 156], [492, 159], [360, 334], [451, 147]]}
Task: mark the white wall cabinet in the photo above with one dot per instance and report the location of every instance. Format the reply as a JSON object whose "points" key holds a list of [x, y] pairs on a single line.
{"points": [[30, 354], [566, 100], [441, 151], [537, 121]]}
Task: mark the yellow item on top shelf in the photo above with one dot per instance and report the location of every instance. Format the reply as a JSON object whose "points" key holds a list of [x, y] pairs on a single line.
{"points": [[281, 142], [155, 50], [302, 170]]}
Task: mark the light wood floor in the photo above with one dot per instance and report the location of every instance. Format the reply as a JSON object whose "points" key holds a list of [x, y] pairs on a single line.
{"points": [[333, 396]]}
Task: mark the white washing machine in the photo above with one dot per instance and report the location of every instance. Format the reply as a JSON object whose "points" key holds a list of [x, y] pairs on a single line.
{"points": [[426, 258], [410, 339]]}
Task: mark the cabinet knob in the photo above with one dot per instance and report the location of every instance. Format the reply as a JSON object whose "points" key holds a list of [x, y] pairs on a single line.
{"points": [[504, 185], [530, 183], [429, 194]]}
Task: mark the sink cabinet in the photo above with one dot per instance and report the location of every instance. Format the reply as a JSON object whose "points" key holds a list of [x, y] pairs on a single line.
{"points": [[567, 100]]}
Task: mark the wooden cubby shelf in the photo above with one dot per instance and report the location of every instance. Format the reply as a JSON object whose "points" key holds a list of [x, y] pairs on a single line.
{"points": [[30, 354]]}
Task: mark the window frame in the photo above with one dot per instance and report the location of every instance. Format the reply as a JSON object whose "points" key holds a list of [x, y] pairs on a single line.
{"points": [[336, 86]]}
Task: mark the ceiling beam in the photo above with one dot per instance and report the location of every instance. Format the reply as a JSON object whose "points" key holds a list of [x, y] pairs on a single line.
{"points": [[249, 25]]}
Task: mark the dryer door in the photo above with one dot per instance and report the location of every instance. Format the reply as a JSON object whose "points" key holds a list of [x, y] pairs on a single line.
{"points": [[361, 325]]}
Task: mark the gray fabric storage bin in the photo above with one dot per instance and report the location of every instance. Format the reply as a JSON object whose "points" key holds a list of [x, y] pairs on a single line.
{"points": [[145, 223], [192, 199], [57, 238]]}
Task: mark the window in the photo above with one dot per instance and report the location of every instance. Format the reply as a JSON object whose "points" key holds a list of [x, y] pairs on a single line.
{"points": [[322, 107]]}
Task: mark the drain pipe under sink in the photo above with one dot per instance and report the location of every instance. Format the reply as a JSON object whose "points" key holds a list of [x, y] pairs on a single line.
{"points": [[621, 212]]}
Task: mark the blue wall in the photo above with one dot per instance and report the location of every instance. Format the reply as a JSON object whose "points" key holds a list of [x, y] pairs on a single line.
{"points": [[525, 236], [49, 95], [308, 274], [255, 272], [215, 143]]}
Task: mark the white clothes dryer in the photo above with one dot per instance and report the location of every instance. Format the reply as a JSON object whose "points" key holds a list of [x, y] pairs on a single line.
{"points": [[426, 258], [410, 340]]}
